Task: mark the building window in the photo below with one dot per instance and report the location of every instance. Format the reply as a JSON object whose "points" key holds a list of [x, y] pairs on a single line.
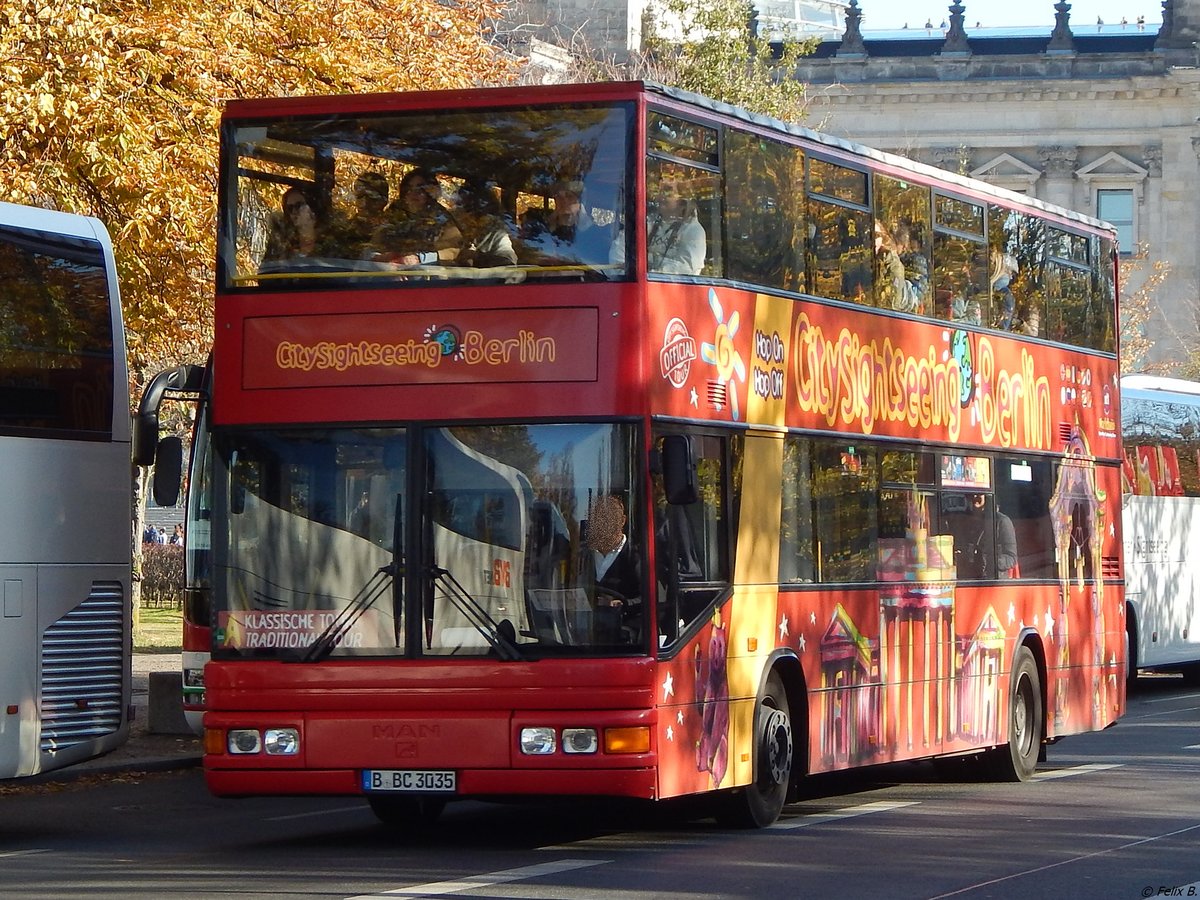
{"points": [[1117, 208]]}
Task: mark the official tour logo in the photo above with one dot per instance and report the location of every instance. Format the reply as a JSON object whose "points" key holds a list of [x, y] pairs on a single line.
{"points": [[677, 354]]}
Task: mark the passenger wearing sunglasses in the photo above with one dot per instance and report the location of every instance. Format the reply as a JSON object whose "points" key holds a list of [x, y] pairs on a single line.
{"points": [[293, 231], [418, 230]]}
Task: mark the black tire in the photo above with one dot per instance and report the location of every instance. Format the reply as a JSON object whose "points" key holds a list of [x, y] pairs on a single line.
{"points": [[1131, 642], [406, 813], [759, 804], [1018, 760]]}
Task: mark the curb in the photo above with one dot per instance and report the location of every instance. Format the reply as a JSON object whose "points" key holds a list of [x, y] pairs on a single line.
{"points": [[83, 770]]}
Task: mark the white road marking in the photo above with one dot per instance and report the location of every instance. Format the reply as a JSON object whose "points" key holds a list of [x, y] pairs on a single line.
{"points": [[1066, 862], [837, 815], [1074, 770], [474, 882], [1175, 698], [9, 854]]}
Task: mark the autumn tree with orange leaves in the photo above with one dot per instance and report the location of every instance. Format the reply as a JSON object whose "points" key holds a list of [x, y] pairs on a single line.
{"points": [[111, 109]]}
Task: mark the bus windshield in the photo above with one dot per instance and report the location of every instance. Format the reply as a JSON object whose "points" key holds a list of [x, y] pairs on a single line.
{"points": [[401, 199], [529, 542]]}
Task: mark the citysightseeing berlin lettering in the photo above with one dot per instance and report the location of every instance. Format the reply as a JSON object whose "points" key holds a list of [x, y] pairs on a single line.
{"points": [[814, 366], [850, 381], [397, 348]]}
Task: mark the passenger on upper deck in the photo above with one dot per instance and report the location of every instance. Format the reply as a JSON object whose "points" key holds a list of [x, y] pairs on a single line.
{"points": [[567, 234], [293, 230], [676, 242], [486, 238], [1004, 268], [902, 274], [370, 201], [418, 230]]}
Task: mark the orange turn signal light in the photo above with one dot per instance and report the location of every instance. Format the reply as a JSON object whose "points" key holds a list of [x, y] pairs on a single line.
{"points": [[214, 740], [635, 739]]}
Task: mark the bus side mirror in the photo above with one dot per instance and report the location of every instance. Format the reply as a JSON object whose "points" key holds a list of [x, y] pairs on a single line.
{"points": [[182, 379], [168, 471], [679, 470], [145, 438]]}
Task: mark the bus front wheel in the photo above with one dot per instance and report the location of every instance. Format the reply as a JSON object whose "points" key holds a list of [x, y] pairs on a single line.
{"points": [[760, 803]]}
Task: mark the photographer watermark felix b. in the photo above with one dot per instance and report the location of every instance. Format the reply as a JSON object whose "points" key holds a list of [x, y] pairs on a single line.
{"points": [[1180, 890]]}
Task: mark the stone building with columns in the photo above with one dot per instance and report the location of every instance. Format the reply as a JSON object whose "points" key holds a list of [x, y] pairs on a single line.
{"points": [[1104, 119]]}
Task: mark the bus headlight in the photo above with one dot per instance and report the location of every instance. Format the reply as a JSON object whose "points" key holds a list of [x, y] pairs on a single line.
{"points": [[580, 740], [243, 741], [281, 741], [537, 741]]}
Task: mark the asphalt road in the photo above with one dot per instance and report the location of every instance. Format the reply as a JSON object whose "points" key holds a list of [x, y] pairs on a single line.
{"points": [[1115, 814]]}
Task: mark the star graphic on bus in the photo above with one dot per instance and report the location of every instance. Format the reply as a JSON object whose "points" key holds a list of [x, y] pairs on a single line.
{"points": [[783, 628], [670, 733], [669, 686], [721, 353]]}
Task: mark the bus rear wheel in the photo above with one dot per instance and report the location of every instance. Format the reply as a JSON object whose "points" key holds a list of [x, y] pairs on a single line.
{"points": [[406, 813], [1018, 760], [760, 803], [1131, 642]]}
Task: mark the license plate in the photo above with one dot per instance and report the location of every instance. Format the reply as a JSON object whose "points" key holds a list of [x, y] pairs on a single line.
{"points": [[414, 781]]}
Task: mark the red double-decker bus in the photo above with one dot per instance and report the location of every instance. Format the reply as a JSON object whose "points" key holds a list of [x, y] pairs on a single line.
{"points": [[607, 440]]}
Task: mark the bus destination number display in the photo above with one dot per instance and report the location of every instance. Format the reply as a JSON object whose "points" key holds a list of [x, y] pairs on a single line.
{"points": [[409, 781]]}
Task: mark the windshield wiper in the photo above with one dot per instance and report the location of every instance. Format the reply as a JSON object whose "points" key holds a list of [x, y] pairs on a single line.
{"points": [[493, 632], [375, 587]]}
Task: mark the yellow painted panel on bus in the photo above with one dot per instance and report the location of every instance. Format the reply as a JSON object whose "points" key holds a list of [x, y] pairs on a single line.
{"points": [[741, 733], [758, 524], [768, 360]]}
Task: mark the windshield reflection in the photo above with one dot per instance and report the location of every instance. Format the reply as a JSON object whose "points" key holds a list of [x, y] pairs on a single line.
{"points": [[515, 513], [308, 521], [530, 543]]}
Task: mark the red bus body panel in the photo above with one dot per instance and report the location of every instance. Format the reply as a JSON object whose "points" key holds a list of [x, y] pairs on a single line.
{"points": [[465, 716], [545, 351]]}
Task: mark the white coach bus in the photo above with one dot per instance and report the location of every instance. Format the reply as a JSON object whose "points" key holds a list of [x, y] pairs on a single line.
{"points": [[1160, 420], [65, 494]]}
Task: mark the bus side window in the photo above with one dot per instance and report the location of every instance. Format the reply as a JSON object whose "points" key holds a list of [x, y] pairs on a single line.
{"points": [[1023, 491], [691, 542]]}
